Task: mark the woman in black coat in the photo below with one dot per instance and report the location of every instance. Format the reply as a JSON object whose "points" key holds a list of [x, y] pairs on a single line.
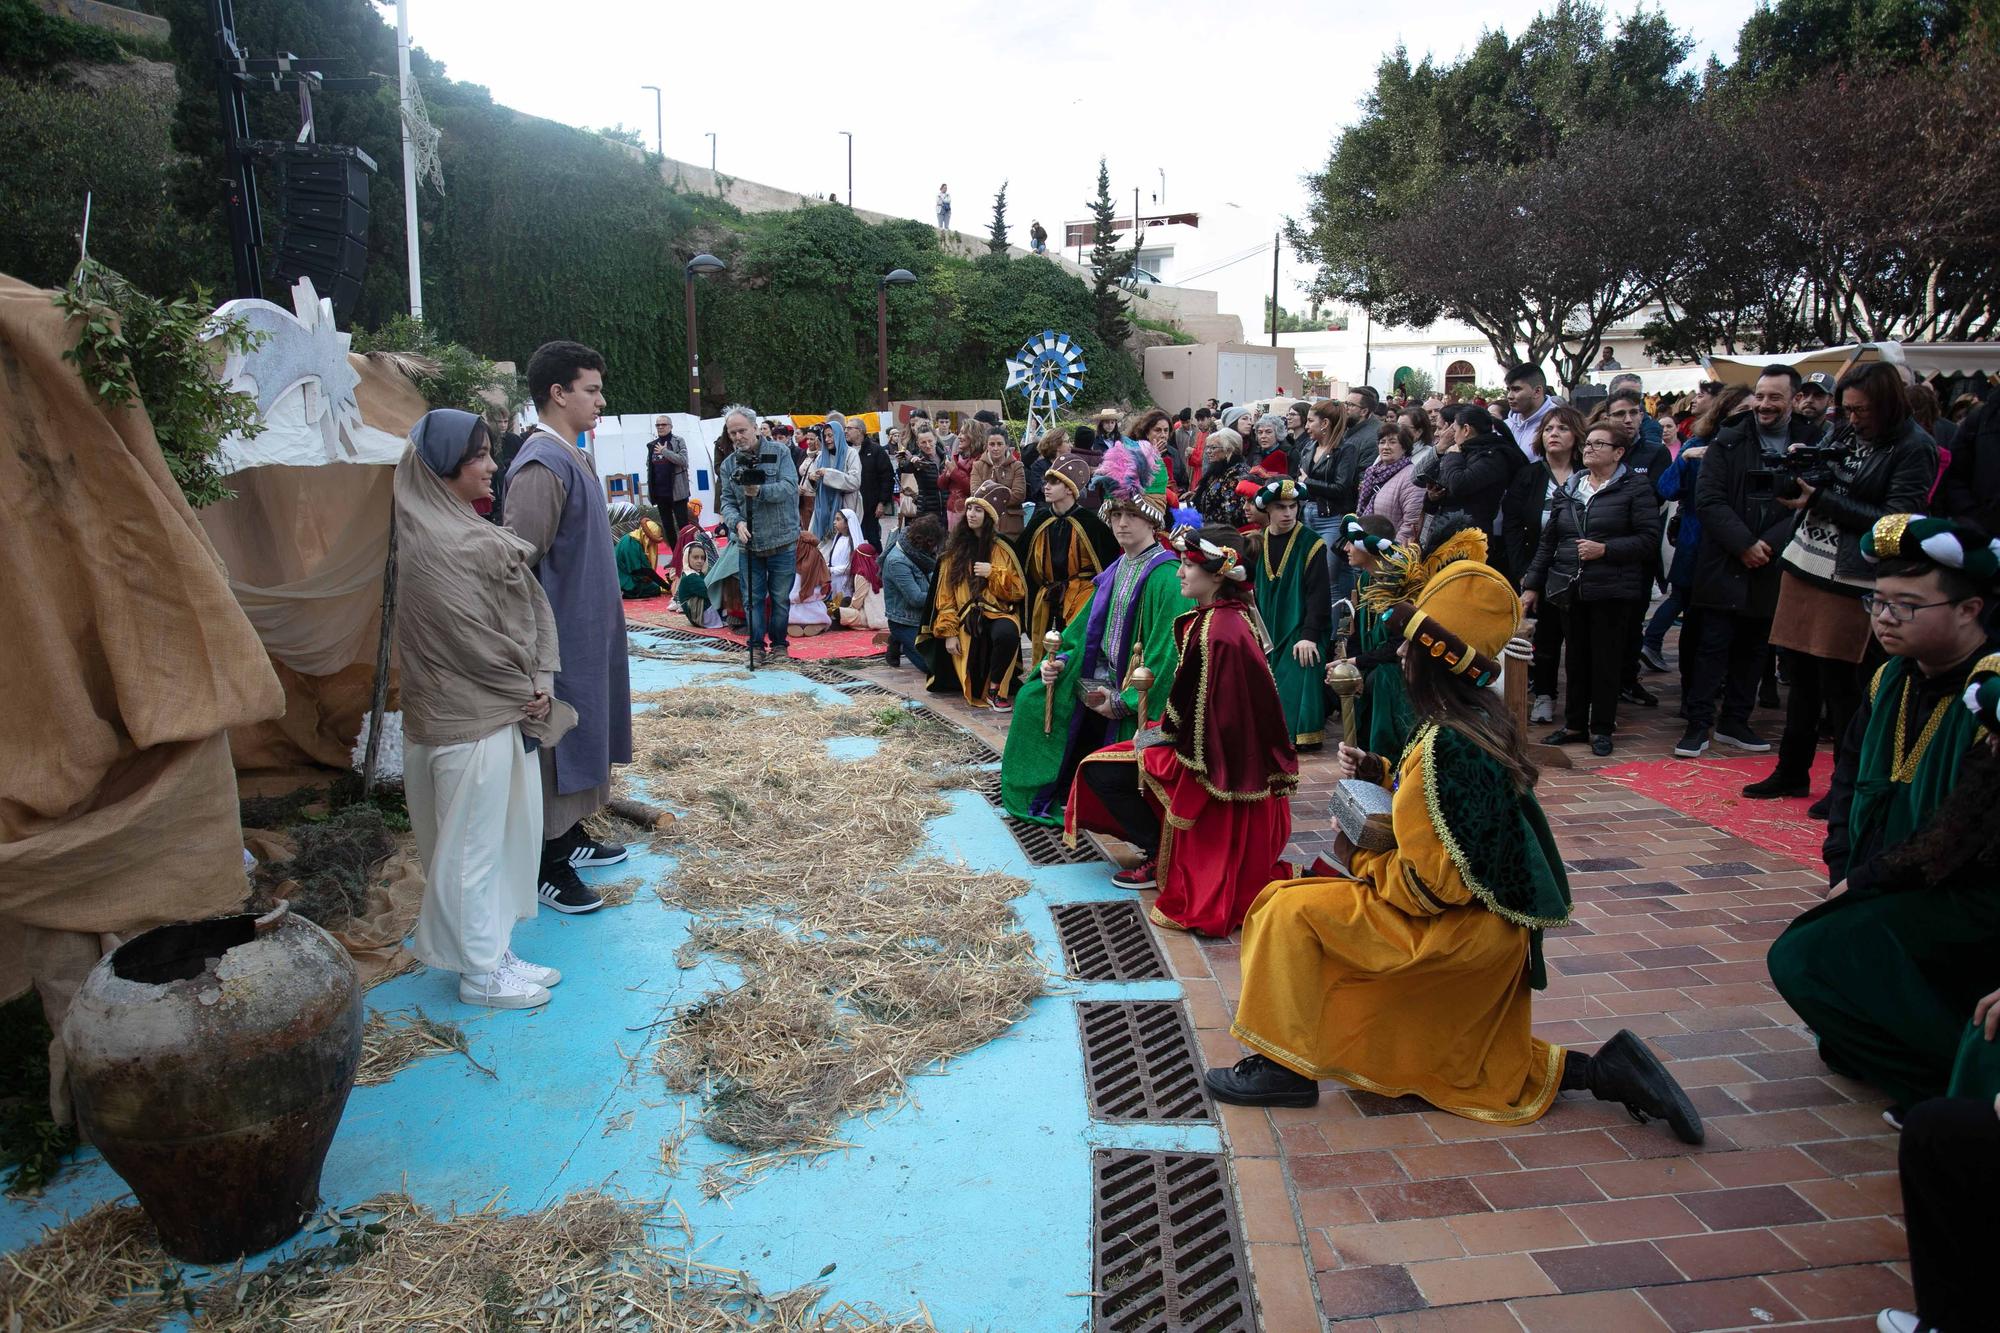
{"points": [[1522, 516], [1593, 559], [1473, 474]]}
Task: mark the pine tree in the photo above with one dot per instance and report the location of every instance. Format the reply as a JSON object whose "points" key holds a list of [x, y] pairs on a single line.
{"points": [[1109, 267], [996, 239]]}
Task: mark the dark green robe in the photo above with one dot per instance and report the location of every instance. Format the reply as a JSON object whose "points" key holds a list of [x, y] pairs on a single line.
{"points": [[1293, 597], [1887, 973]]}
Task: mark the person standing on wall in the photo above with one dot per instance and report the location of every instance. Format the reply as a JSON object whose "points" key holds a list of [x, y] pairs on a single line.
{"points": [[667, 474], [555, 503]]}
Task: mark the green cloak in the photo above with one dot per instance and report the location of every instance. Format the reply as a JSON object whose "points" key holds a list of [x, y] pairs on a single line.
{"points": [[1496, 836], [1384, 719], [1034, 761], [1899, 805], [636, 575], [1293, 599]]}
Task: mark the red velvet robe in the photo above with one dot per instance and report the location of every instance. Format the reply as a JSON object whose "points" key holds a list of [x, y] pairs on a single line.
{"points": [[1221, 775]]}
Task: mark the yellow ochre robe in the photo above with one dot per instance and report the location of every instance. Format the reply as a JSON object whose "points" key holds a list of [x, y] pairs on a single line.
{"points": [[1401, 981]]}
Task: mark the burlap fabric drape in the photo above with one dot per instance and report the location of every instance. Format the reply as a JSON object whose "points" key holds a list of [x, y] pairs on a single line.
{"points": [[127, 662], [305, 547]]}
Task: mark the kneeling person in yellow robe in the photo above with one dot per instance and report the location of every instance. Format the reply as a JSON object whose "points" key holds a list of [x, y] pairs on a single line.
{"points": [[1414, 975]]}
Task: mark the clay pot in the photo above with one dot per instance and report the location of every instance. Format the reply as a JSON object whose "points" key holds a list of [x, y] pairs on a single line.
{"points": [[210, 1062]]}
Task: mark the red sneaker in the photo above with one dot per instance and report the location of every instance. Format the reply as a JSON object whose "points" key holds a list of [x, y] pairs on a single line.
{"points": [[998, 704], [1142, 876]]}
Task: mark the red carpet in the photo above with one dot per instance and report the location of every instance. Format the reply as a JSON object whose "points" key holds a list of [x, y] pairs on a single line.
{"points": [[833, 643], [1711, 790]]}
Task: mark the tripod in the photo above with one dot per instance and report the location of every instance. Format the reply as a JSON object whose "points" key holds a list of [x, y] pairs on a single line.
{"points": [[750, 610]]}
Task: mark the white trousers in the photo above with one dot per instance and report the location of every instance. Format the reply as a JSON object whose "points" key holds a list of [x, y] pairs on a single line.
{"points": [[476, 810]]}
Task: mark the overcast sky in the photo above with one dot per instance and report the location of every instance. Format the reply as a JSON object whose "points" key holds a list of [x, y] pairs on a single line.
{"points": [[1234, 101]]}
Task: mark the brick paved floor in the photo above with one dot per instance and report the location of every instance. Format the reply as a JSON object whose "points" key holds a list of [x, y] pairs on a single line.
{"points": [[1366, 1213]]}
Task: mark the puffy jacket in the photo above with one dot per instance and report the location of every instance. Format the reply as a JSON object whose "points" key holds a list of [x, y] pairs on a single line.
{"points": [[1401, 501], [1624, 516], [1475, 476], [1732, 522], [1894, 477]]}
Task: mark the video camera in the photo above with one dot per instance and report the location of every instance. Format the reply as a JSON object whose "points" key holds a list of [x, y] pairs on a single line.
{"points": [[1808, 465], [759, 471]]}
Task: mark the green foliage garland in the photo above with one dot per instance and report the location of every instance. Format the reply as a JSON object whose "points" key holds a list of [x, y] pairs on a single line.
{"points": [[135, 350], [462, 378]]}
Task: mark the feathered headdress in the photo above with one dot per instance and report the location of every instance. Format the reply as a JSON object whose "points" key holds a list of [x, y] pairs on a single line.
{"points": [[1453, 537], [1129, 463]]}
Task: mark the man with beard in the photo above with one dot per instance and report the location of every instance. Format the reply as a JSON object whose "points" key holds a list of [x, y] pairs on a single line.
{"points": [[1813, 401]]}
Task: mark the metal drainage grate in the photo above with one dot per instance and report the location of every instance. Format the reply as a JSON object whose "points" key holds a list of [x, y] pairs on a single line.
{"points": [[988, 785], [1108, 942], [819, 674], [865, 689], [1139, 1061], [1045, 846], [1167, 1252]]}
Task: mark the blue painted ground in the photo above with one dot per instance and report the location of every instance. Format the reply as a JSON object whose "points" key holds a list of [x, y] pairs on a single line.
{"points": [[973, 1199]]}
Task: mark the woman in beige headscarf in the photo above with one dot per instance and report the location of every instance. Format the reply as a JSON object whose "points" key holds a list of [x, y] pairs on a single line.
{"points": [[477, 645]]}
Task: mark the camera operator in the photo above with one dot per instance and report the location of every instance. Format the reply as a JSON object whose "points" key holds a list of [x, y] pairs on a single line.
{"points": [[760, 488], [1878, 462]]}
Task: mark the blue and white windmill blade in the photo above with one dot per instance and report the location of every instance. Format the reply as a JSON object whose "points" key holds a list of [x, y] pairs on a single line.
{"points": [[1017, 373]]}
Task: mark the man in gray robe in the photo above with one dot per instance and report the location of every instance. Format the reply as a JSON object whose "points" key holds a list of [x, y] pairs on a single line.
{"points": [[556, 503]]}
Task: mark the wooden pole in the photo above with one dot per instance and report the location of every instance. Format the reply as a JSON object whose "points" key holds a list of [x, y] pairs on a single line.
{"points": [[1514, 666], [380, 703]]}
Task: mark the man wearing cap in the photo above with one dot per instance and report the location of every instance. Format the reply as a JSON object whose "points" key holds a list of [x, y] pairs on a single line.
{"points": [[1886, 972], [1290, 575], [1063, 550], [1813, 401], [1084, 690]]}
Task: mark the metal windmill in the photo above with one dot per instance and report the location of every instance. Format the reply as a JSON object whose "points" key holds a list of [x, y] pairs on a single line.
{"points": [[1048, 371]]}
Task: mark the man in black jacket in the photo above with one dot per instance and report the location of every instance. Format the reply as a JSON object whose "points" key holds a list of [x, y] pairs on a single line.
{"points": [[1971, 489], [1474, 473], [1736, 567], [667, 475], [878, 481]]}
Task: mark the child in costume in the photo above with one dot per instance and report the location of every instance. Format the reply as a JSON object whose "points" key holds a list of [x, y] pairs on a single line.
{"points": [[1414, 975], [1206, 794], [1293, 597]]}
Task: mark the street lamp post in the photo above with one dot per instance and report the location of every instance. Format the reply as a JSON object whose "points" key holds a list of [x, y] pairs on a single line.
{"points": [[850, 167], [659, 120], [702, 263], [901, 277]]}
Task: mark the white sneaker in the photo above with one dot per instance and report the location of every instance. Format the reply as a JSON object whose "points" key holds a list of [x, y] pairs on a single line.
{"points": [[502, 988], [1899, 1321], [527, 971], [1544, 709]]}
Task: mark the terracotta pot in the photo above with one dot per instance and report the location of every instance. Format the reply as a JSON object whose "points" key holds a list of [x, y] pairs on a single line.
{"points": [[210, 1062]]}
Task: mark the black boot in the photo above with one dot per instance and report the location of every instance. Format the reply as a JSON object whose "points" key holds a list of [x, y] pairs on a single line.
{"points": [[1624, 1071], [1256, 1081]]}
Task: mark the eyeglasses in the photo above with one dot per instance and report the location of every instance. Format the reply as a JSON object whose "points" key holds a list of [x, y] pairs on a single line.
{"points": [[1599, 444], [1898, 613]]}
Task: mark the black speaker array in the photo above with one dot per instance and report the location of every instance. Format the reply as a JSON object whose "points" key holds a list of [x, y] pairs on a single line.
{"points": [[323, 202]]}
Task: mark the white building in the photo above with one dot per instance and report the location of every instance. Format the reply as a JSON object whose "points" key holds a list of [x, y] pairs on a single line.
{"points": [[1454, 355]]}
